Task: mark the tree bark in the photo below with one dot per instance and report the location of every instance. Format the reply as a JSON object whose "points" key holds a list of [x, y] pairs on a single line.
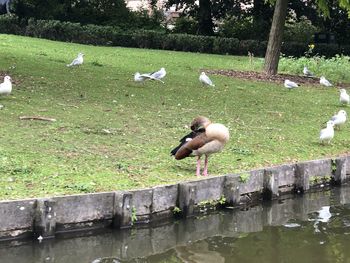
{"points": [[205, 21], [275, 38]]}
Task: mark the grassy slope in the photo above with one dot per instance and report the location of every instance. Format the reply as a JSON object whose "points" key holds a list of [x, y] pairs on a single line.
{"points": [[268, 124]]}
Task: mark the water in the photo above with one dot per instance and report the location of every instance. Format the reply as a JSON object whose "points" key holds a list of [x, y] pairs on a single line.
{"points": [[312, 228]]}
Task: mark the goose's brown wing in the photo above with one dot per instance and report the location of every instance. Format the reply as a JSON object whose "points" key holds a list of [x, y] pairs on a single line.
{"points": [[194, 144], [183, 141]]}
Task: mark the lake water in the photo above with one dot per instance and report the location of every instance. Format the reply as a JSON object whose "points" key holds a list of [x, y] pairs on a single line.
{"points": [[310, 228]]}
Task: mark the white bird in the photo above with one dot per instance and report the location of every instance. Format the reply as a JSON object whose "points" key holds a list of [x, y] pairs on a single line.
{"points": [[307, 72], [327, 133], [77, 61], [325, 82], [205, 80], [6, 86], [142, 77], [290, 84], [339, 118], [324, 214], [158, 74], [344, 97]]}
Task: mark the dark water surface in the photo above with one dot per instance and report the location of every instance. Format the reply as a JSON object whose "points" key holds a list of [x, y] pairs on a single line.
{"points": [[311, 228]]}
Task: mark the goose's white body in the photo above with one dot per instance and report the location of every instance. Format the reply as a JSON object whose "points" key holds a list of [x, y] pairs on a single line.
{"points": [[205, 139], [327, 134], [204, 79], [344, 97], [6, 86], [290, 84], [77, 61], [325, 82], [219, 135]]}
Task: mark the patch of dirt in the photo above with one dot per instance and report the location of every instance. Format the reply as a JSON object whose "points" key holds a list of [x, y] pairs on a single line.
{"points": [[278, 78]]}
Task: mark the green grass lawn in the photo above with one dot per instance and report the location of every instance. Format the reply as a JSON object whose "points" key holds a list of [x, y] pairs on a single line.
{"points": [[268, 124]]}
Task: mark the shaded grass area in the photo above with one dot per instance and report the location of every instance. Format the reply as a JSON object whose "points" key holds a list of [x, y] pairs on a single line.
{"points": [[113, 134]]}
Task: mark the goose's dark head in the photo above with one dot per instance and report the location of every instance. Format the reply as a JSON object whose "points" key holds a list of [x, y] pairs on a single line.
{"points": [[200, 123]]}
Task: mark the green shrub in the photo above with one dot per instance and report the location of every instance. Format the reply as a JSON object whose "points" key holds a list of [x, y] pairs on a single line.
{"points": [[244, 29], [115, 36], [189, 43], [10, 24], [256, 47], [302, 32], [328, 50], [224, 45], [185, 25], [148, 39], [319, 65], [54, 29], [294, 49]]}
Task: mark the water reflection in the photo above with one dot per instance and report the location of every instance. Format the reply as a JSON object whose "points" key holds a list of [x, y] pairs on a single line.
{"points": [[312, 228]]}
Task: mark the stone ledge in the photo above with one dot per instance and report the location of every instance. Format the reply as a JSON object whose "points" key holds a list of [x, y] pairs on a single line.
{"points": [[122, 209]]}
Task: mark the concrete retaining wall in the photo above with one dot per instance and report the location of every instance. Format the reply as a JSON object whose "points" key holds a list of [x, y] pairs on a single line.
{"points": [[48, 217], [132, 244]]}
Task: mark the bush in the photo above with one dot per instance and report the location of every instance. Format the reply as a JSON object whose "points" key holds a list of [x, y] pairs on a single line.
{"points": [[244, 29], [328, 50], [148, 39], [294, 49], [258, 48], [302, 31], [10, 24], [54, 30], [224, 45], [190, 43], [185, 25], [115, 36]]}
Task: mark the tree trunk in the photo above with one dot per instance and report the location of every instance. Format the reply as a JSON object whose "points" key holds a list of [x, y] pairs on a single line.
{"points": [[205, 22], [275, 38]]}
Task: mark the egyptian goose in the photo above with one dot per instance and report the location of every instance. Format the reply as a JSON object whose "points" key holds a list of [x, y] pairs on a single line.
{"points": [[206, 138], [77, 61]]}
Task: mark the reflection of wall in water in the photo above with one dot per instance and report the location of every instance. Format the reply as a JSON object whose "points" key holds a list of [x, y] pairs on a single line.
{"points": [[198, 252]]}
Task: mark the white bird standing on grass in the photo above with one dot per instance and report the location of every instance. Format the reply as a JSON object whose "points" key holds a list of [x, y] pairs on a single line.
{"points": [[339, 119], [142, 77], [6, 86], [158, 75], [307, 72], [77, 61], [325, 82], [290, 84], [344, 97], [327, 134], [205, 80]]}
